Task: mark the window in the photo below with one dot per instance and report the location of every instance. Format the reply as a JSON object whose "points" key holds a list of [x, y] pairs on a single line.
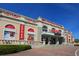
{"points": [[9, 32], [58, 32], [12, 34], [53, 30], [44, 29], [30, 37]]}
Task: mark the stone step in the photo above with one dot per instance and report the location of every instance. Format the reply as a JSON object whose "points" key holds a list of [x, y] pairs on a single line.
{"points": [[51, 46]]}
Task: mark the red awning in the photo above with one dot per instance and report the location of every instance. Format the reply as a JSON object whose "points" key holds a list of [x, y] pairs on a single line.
{"points": [[30, 30], [10, 26], [55, 31]]}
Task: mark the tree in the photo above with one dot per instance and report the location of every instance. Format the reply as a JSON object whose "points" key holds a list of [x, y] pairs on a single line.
{"points": [[77, 40]]}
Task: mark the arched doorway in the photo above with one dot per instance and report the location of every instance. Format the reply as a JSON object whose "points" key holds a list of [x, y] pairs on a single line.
{"points": [[44, 37], [31, 34], [9, 32]]}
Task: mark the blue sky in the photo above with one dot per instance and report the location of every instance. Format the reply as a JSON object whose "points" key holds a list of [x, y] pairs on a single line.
{"points": [[64, 14]]}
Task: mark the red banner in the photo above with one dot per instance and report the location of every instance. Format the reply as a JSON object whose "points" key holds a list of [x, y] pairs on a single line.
{"points": [[21, 32], [55, 31]]}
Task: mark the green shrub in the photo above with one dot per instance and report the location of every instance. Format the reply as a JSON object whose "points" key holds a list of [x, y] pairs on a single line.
{"points": [[7, 49]]}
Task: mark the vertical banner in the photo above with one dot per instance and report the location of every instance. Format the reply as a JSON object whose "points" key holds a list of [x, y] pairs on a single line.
{"points": [[21, 32]]}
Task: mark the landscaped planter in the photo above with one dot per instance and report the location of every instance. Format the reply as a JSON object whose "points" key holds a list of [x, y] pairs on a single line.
{"points": [[7, 49]]}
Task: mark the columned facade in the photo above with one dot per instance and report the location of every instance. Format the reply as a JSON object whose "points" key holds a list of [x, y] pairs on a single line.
{"points": [[19, 29]]}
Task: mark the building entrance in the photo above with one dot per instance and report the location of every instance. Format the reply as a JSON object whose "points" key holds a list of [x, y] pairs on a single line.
{"points": [[49, 39], [53, 40], [30, 38], [44, 39]]}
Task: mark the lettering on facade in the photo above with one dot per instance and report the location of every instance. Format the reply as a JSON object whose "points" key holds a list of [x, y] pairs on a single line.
{"points": [[8, 14]]}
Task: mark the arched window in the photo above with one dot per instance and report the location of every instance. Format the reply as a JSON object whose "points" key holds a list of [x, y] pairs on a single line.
{"points": [[44, 28], [30, 35], [53, 30], [9, 32]]}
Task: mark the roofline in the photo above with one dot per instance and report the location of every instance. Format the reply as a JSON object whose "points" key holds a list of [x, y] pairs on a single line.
{"points": [[15, 13]]}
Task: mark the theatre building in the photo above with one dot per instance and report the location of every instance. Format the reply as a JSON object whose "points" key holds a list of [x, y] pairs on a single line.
{"points": [[19, 29]]}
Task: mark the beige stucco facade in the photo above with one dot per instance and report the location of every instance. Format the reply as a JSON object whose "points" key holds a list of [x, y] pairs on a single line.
{"points": [[6, 21], [36, 29]]}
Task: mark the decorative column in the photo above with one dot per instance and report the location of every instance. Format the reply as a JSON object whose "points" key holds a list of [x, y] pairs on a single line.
{"points": [[49, 38], [57, 41]]}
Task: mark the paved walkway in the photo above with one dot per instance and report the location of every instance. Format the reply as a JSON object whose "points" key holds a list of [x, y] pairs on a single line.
{"points": [[53, 51]]}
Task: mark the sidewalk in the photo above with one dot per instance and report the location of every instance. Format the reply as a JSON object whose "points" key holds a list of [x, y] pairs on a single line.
{"points": [[50, 51]]}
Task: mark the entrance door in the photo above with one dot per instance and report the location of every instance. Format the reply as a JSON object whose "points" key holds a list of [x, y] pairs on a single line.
{"points": [[44, 39], [30, 38], [53, 40]]}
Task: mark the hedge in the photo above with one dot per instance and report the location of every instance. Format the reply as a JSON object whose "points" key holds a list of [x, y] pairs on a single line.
{"points": [[7, 49]]}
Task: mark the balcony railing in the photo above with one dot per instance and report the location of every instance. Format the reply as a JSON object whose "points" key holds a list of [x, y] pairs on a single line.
{"points": [[13, 42], [49, 33]]}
